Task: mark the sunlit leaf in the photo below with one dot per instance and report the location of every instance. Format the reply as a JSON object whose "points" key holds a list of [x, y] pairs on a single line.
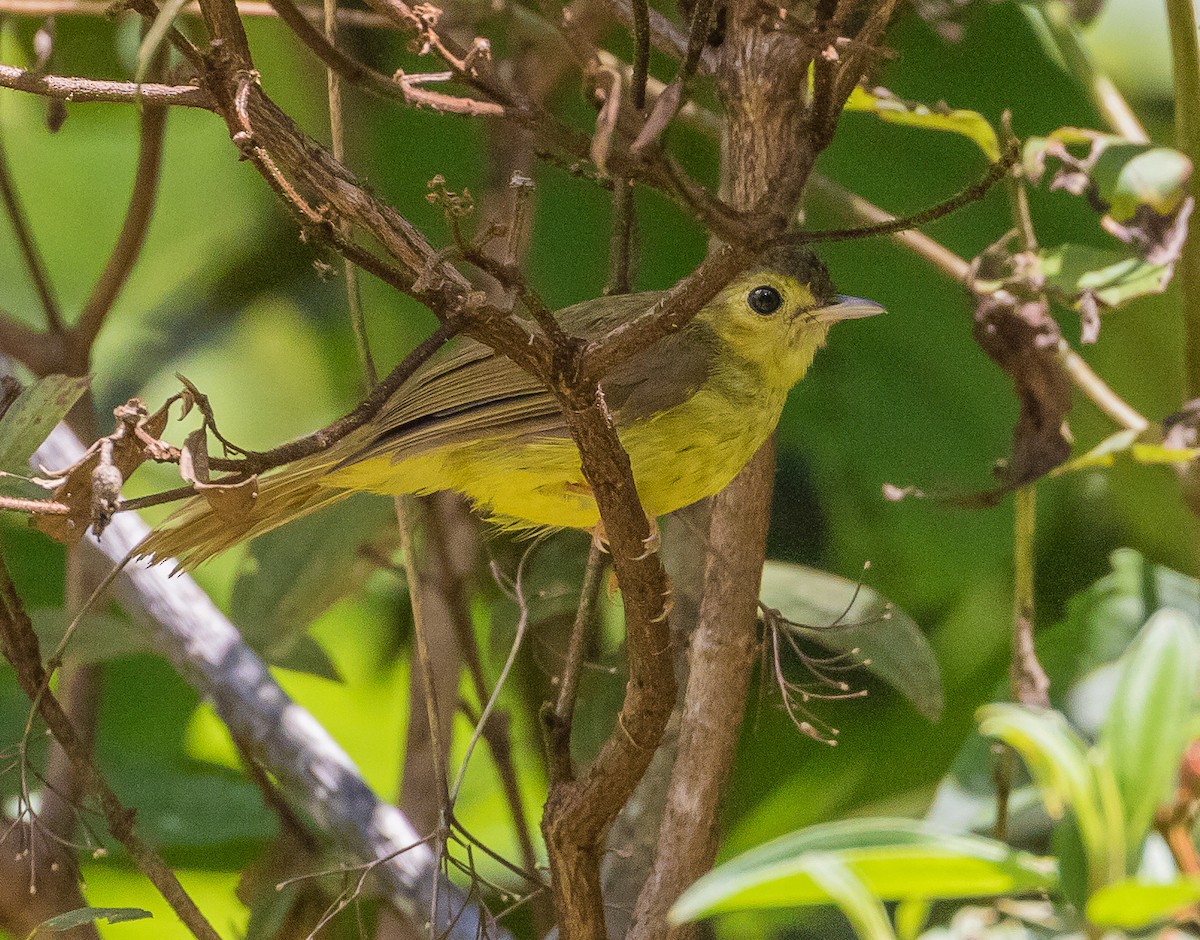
{"points": [[911, 916], [866, 913], [1063, 770], [89, 915], [842, 615], [1125, 443], [1133, 905], [1150, 721], [970, 124], [896, 859], [31, 418], [1112, 276]]}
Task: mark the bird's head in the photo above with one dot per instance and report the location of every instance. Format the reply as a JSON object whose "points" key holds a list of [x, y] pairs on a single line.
{"points": [[778, 312]]}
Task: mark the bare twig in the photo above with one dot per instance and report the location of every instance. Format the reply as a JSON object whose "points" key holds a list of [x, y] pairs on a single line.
{"points": [[359, 19], [641, 51], [560, 721], [1030, 685], [82, 90], [21, 649]]}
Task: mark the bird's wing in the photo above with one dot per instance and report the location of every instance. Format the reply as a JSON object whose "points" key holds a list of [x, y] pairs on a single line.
{"points": [[466, 392]]}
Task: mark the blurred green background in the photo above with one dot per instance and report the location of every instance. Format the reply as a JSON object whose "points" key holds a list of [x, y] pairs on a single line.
{"points": [[226, 294]]}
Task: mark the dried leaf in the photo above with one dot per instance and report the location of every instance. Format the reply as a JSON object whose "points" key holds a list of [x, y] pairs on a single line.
{"points": [[231, 500], [1141, 190], [1021, 338], [76, 488]]}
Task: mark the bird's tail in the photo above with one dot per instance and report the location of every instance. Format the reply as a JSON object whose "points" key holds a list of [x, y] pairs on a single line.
{"points": [[195, 533]]}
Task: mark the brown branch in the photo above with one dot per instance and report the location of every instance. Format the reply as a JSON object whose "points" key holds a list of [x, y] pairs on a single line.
{"points": [[326, 437], [560, 722], [361, 19], [32, 256], [997, 172], [666, 37], [356, 73], [721, 657], [129, 244], [668, 316], [20, 647], [641, 51], [82, 90], [39, 506]]}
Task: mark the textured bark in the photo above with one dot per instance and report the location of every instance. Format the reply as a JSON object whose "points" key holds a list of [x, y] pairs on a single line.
{"points": [[773, 133]]}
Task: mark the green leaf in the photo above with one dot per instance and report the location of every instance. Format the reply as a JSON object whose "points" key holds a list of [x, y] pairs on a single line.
{"points": [[1150, 721], [896, 859], [1068, 777], [297, 572], [887, 638], [1125, 443], [1134, 905], [865, 912], [886, 106], [1112, 276], [911, 917], [89, 915], [1128, 176], [31, 418]]}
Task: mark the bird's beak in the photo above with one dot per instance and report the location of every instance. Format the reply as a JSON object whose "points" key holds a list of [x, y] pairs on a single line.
{"points": [[846, 308]]}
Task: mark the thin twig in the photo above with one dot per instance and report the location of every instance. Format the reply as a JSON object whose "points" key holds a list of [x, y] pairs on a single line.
{"points": [[568, 683], [486, 714], [337, 139], [641, 51], [361, 19], [80, 90], [1105, 95], [34, 264], [1030, 685], [21, 648], [259, 461]]}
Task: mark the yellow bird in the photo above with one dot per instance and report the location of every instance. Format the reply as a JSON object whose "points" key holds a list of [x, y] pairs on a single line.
{"points": [[691, 410]]}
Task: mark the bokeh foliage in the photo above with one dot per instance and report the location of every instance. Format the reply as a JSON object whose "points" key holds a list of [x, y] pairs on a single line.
{"points": [[227, 295]]}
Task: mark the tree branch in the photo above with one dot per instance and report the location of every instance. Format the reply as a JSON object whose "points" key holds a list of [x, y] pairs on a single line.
{"points": [[82, 90], [20, 646]]}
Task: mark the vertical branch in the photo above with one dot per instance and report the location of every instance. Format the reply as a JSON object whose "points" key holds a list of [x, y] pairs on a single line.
{"points": [[622, 240], [1030, 685], [641, 52], [1181, 17], [20, 647], [337, 138]]}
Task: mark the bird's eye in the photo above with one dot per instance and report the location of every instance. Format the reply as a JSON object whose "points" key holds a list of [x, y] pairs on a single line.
{"points": [[764, 300]]}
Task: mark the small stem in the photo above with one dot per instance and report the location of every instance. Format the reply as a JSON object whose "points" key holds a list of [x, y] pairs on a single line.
{"points": [[337, 136], [641, 51], [568, 688], [1105, 96], [1030, 685], [1101, 395], [1181, 18], [624, 231]]}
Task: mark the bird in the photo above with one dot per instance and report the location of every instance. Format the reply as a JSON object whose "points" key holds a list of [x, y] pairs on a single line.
{"points": [[690, 410]]}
